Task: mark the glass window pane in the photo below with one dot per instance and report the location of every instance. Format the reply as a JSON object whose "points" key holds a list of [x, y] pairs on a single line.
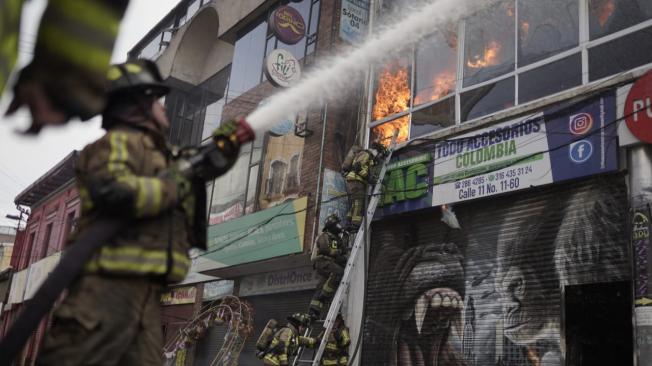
{"points": [[546, 28], [488, 99], [609, 16], [229, 193], [489, 45], [212, 118], [622, 54], [436, 66], [433, 118], [253, 186], [383, 133], [314, 19], [550, 79], [247, 63], [392, 89]]}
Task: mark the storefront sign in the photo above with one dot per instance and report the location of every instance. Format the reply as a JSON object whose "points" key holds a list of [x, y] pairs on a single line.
{"points": [[563, 143], [179, 296], [38, 272], [282, 68], [641, 243], [354, 20], [287, 24], [333, 197], [638, 108], [284, 281], [18, 283], [262, 235], [217, 289], [406, 185]]}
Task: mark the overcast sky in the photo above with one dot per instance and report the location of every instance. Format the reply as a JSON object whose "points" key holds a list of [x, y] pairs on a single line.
{"points": [[24, 159]]}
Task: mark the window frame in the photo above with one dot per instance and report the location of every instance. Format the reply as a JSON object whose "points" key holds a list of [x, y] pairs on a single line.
{"points": [[581, 49]]}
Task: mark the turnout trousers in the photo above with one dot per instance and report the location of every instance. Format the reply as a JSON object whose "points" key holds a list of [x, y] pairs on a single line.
{"points": [[330, 274], [106, 321]]}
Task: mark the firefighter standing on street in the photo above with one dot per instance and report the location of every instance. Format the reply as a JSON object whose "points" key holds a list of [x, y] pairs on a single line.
{"points": [[329, 264], [65, 78], [112, 313], [359, 173], [287, 340], [336, 352]]}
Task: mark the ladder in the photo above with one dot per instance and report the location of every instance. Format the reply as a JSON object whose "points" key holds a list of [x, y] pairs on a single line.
{"points": [[342, 289]]}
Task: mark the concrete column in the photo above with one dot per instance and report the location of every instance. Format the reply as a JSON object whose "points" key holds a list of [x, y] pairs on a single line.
{"points": [[640, 183]]}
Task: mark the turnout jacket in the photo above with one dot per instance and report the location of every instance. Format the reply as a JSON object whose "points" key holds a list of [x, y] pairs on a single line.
{"points": [[285, 344], [330, 246], [337, 346], [362, 164], [119, 175]]}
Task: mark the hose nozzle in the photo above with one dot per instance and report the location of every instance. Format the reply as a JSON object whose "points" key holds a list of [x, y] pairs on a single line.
{"points": [[244, 132]]}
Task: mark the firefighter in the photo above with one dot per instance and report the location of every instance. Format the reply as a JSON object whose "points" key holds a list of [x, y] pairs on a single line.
{"points": [[111, 315], [358, 175], [288, 339], [65, 78], [336, 352], [329, 264]]}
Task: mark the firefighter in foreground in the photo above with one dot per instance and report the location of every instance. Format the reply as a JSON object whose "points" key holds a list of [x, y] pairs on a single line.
{"points": [[329, 264], [112, 313], [65, 78], [358, 169], [336, 352], [287, 340]]}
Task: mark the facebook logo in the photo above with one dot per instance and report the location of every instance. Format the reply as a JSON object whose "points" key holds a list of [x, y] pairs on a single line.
{"points": [[580, 151]]}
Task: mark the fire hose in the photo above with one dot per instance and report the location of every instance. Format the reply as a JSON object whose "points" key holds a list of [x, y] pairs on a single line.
{"points": [[208, 163]]}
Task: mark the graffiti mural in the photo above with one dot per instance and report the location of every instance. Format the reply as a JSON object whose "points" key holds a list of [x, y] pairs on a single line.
{"points": [[490, 292]]}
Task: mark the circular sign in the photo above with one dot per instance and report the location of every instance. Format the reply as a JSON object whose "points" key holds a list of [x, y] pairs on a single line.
{"points": [[288, 24], [638, 108], [282, 68]]}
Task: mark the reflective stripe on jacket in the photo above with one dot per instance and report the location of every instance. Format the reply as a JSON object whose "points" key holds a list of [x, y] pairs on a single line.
{"points": [[286, 344], [117, 175], [362, 164]]}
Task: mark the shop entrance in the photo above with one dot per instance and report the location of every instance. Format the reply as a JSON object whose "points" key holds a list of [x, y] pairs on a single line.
{"points": [[598, 324]]}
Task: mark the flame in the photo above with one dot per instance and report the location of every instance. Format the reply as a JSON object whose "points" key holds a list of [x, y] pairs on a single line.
{"points": [[490, 57], [392, 96], [385, 132], [603, 9], [443, 84], [393, 93]]}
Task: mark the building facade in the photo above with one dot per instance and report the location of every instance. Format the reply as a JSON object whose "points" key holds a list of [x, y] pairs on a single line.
{"points": [[505, 235], [54, 207]]}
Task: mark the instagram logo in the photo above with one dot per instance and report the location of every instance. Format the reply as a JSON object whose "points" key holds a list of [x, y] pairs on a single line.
{"points": [[580, 124]]}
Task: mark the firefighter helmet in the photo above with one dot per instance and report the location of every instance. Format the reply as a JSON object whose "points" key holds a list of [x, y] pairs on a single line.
{"points": [[141, 76], [332, 224], [381, 150], [299, 319]]}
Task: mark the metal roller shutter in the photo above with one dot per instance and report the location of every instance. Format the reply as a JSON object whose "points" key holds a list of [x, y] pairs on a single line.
{"points": [[277, 306], [490, 293], [208, 346]]}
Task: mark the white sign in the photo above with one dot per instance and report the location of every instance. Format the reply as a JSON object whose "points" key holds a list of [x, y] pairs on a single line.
{"points": [[282, 68], [18, 282], [303, 278], [643, 316], [38, 272], [217, 290], [354, 19], [459, 163]]}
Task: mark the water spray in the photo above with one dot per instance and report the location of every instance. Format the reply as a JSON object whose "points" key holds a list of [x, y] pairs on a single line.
{"points": [[334, 75]]}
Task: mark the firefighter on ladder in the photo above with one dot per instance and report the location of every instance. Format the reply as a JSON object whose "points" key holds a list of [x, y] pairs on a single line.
{"points": [[65, 78], [358, 171], [111, 315], [329, 264], [287, 340], [336, 352]]}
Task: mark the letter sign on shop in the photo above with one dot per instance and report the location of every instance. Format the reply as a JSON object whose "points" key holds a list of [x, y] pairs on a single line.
{"points": [[638, 108], [282, 68], [287, 24]]}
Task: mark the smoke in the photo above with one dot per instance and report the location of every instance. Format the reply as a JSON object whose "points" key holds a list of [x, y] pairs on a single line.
{"points": [[335, 75]]}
